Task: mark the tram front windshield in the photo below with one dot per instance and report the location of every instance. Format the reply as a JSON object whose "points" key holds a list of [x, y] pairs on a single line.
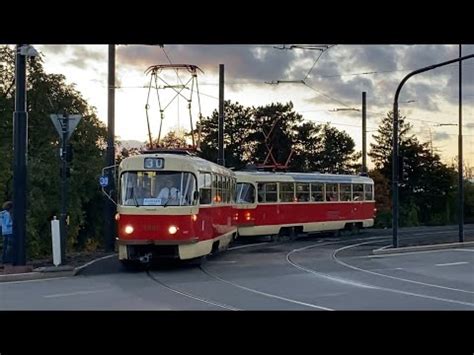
{"points": [[151, 188]]}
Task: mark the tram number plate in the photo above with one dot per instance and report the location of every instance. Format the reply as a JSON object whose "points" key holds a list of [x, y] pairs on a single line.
{"points": [[154, 163]]}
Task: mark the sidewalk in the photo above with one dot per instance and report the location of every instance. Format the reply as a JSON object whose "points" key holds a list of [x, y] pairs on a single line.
{"points": [[29, 272]]}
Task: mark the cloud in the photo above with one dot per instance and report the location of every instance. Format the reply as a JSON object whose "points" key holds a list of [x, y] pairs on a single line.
{"points": [[441, 136]]}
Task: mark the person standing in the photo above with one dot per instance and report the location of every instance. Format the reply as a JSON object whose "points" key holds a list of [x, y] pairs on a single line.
{"points": [[6, 224]]}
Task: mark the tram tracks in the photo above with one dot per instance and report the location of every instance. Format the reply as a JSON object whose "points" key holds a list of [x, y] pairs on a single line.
{"points": [[203, 269], [370, 285]]}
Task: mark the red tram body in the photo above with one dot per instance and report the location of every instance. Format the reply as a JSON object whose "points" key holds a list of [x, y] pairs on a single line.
{"points": [[161, 213], [281, 203]]}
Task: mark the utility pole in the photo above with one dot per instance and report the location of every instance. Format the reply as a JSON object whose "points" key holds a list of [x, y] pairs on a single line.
{"points": [[220, 154], [364, 133], [64, 187], [110, 156], [460, 158], [20, 150]]}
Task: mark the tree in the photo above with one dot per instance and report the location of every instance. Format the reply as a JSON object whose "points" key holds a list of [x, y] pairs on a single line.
{"points": [[426, 183], [49, 93], [237, 132]]}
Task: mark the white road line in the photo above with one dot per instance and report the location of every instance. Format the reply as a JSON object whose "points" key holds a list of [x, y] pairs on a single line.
{"points": [[450, 264], [74, 293], [37, 280], [326, 276], [461, 249], [266, 294], [401, 254], [401, 279]]}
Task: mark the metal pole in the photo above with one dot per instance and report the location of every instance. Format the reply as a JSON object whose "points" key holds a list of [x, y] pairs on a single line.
{"points": [[364, 133], [395, 140], [63, 214], [220, 154], [20, 150], [395, 175], [460, 158], [110, 156]]}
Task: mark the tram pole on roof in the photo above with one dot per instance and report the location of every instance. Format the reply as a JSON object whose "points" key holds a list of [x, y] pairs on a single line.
{"points": [[364, 133]]}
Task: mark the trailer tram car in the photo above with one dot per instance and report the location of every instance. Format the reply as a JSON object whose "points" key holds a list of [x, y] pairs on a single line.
{"points": [[174, 206], [291, 203]]}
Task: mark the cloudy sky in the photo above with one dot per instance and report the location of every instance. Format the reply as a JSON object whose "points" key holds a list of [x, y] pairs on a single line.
{"points": [[333, 79]]}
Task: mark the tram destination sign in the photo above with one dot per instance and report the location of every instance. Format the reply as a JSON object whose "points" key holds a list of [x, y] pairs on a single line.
{"points": [[154, 163]]}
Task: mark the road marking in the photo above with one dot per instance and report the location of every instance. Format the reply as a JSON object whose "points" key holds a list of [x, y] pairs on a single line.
{"points": [[450, 264], [266, 294], [401, 254], [401, 279], [74, 293], [460, 249], [37, 280]]}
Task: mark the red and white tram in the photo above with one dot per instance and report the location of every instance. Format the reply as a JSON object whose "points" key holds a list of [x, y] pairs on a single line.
{"points": [[173, 205], [288, 203]]}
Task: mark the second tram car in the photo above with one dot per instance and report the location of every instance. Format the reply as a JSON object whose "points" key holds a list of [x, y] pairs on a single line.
{"points": [[289, 203], [173, 205]]}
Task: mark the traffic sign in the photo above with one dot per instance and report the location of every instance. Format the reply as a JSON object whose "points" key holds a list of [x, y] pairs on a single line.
{"points": [[104, 181], [71, 122]]}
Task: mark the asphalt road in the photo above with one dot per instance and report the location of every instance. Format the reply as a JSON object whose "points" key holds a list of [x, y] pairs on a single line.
{"points": [[310, 273]]}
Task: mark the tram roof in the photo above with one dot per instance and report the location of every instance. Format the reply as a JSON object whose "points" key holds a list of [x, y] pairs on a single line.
{"points": [[178, 162], [301, 177]]}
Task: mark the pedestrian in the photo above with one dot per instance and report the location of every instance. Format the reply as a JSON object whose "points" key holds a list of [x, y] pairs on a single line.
{"points": [[6, 224]]}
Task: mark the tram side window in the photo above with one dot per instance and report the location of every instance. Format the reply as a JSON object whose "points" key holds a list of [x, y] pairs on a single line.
{"points": [[226, 189], [369, 192], [267, 192], [287, 192], [332, 192], [205, 188], [233, 191], [317, 192], [358, 192], [302, 192], [345, 192]]}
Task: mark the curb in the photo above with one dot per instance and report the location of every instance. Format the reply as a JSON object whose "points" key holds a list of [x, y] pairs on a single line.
{"points": [[50, 272], [386, 250]]}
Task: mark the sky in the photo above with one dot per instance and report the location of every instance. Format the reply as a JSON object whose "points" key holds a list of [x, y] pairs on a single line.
{"points": [[334, 79]]}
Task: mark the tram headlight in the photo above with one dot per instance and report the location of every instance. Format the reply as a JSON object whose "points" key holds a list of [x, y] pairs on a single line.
{"points": [[117, 216], [194, 217], [248, 216], [128, 229], [172, 229]]}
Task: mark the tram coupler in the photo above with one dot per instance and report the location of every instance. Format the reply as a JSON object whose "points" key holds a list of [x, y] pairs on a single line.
{"points": [[145, 259]]}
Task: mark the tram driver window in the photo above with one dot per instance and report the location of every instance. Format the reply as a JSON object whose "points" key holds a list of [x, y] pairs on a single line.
{"points": [[245, 193]]}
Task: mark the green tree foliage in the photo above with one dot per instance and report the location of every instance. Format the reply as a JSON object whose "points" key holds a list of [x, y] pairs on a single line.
{"points": [[316, 147], [46, 94], [426, 190], [237, 131]]}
